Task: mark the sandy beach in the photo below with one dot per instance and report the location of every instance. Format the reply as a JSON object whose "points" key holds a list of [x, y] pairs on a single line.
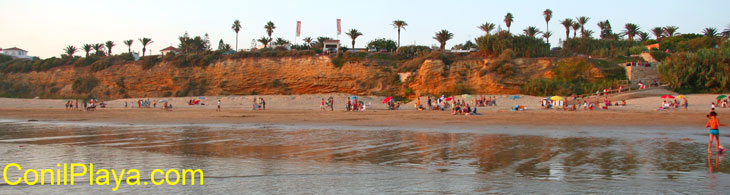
{"points": [[641, 110]]}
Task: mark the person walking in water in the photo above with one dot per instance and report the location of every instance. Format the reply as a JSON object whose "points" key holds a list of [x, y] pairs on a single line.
{"points": [[219, 106], [714, 125]]}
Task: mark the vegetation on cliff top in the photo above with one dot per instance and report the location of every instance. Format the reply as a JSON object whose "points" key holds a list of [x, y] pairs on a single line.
{"points": [[707, 70]]}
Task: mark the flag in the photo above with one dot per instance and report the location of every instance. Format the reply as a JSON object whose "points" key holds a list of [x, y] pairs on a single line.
{"points": [[299, 28], [339, 29]]}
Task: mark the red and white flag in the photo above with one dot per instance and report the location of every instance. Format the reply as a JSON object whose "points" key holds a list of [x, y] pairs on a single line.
{"points": [[299, 28], [339, 29]]}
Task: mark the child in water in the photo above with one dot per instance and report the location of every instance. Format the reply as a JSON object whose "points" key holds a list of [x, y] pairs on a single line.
{"points": [[714, 125]]}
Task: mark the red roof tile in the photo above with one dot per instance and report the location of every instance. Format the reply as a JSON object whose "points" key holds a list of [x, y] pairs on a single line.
{"points": [[15, 48], [171, 48]]}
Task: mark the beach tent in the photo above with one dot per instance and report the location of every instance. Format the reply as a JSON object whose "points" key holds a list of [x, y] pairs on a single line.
{"points": [[514, 97], [682, 97], [201, 98], [556, 98], [466, 96], [162, 100], [387, 99], [668, 97], [721, 96]]}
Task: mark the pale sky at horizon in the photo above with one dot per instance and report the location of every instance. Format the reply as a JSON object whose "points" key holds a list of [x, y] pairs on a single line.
{"points": [[44, 28]]}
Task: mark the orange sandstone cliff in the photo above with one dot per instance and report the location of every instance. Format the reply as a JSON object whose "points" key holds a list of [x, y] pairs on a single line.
{"points": [[296, 75]]}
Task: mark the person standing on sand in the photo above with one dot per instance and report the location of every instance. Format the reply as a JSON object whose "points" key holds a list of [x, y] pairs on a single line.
{"points": [[254, 105], [263, 103], [219, 106], [714, 125], [321, 105]]}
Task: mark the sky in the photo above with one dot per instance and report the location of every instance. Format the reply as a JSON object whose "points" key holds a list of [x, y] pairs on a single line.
{"points": [[45, 27]]}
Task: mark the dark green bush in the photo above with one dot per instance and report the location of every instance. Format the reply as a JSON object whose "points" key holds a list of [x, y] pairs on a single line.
{"points": [[408, 52], [84, 84], [149, 61], [521, 46], [707, 70], [598, 47]]}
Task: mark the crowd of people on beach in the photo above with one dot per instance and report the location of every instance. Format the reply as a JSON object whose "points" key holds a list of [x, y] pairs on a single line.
{"points": [[89, 105], [258, 103]]}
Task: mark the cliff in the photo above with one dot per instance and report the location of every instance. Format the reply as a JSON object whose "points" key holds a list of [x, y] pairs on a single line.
{"points": [[295, 75]]}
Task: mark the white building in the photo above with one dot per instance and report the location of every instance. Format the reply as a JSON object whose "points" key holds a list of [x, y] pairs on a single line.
{"points": [[170, 49], [16, 53], [330, 46]]}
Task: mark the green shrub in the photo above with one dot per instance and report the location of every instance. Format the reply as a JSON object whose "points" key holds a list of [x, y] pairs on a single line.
{"points": [[521, 46], [84, 84], [408, 52], [149, 61], [707, 70], [635, 50], [659, 55], [597, 47]]}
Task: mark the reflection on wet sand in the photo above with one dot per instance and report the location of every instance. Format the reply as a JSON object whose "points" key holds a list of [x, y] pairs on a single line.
{"points": [[597, 163]]}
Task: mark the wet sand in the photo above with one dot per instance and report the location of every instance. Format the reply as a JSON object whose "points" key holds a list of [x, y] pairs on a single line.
{"points": [[327, 161]]}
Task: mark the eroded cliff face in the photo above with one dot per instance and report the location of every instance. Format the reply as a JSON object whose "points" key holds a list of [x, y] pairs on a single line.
{"points": [[303, 75], [477, 76]]}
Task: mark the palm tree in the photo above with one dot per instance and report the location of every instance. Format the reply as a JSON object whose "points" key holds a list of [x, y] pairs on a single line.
{"points": [[643, 36], [531, 31], [606, 31], [70, 50], [98, 48], [587, 33], [265, 41], [487, 27], [508, 19], [567, 23], [236, 27], [308, 40], [548, 14], [109, 45], [631, 30], [582, 21], [670, 31], [443, 36], [657, 31], [726, 33], [710, 32], [145, 41], [353, 35], [281, 42], [547, 35], [129, 45], [576, 26], [269, 28], [399, 24], [87, 48]]}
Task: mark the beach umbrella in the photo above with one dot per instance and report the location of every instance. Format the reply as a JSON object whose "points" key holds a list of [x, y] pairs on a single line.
{"points": [[448, 99], [387, 99], [514, 97], [466, 96], [201, 98], [668, 97], [721, 96], [556, 98]]}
